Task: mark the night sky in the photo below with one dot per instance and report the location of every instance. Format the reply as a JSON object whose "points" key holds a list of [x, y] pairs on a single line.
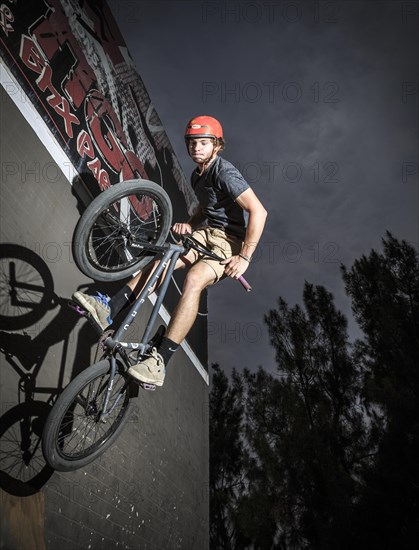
{"points": [[319, 104]]}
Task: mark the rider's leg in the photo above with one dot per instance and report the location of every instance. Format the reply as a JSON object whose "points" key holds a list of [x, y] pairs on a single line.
{"points": [[129, 292], [103, 309], [137, 283], [199, 277], [126, 295], [152, 369]]}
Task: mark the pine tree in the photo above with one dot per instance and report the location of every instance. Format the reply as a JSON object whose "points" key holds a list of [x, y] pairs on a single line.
{"points": [[385, 295], [226, 457], [324, 452], [313, 432]]}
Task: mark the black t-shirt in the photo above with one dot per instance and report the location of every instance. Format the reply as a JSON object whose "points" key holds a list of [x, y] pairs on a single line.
{"points": [[216, 190]]}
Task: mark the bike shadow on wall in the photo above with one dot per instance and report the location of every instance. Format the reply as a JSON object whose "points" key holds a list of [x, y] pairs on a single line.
{"points": [[27, 295]]}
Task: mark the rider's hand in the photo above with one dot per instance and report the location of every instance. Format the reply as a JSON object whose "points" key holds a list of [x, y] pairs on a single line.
{"points": [[182, 228], [235, 266]]}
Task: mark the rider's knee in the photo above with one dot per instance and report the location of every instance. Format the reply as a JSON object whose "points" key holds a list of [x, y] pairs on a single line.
{"points": [[195, 281]]}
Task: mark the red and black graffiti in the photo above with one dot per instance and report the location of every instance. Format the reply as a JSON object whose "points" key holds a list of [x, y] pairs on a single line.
{"points": [[57, 74]]}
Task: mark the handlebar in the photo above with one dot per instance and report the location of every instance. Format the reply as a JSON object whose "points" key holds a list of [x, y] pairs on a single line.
{"points": [[188, 242]]}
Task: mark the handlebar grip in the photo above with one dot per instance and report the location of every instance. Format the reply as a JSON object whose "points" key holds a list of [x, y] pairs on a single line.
{"points": [[245, 284]]}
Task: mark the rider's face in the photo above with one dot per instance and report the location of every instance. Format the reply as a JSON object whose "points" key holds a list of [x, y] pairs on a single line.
{"points": [[201, 150]]}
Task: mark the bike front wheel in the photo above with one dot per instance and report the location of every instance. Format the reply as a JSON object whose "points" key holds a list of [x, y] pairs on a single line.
{"points": [[111, 231], [76, 432]]}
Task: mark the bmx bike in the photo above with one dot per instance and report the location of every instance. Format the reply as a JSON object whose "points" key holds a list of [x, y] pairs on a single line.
{"points": [[122, 229]]}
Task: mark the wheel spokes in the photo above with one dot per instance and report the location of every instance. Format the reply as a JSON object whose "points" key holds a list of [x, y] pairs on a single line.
{"points": [[125, 221], [82, 427]]}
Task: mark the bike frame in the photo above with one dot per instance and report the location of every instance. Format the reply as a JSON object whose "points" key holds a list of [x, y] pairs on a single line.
{"points": [[116, 344], [171, 253]]}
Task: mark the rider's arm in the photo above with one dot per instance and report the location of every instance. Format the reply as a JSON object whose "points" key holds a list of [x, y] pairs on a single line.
{"points": [[256, 222], [197, 217], [237, 265]]}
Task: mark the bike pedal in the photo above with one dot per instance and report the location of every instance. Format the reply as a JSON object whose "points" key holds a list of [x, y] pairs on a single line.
{"points": [[78, 309], [83, 313], [147, 387]]}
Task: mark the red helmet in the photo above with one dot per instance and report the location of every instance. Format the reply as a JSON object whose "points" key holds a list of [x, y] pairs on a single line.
{"points": [[204, 126]]}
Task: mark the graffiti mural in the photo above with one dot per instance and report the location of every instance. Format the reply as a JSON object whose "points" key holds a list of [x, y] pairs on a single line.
{"points": [[74, 67]]}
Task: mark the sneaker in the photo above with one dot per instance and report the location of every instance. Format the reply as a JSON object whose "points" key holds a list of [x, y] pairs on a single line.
{"points": [[97, 307], [151, 371]]}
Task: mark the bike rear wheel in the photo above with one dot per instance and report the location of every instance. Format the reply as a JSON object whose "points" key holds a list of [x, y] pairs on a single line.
{"points": [[75, 434], [106, 238]]}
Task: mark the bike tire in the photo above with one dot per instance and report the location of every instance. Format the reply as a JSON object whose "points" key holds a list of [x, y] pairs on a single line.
{"points": [[134, 208], [23, 472], [73, 435], [26, 287]]}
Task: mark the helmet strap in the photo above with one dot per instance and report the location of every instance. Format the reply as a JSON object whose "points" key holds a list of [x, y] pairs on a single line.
{"points": [[207, 162]]}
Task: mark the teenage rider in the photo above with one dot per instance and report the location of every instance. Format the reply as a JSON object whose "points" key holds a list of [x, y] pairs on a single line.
{"points": [[218, 223]]}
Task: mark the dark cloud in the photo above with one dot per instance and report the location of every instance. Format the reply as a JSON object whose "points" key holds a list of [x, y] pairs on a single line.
{"points": [[320, 112]]}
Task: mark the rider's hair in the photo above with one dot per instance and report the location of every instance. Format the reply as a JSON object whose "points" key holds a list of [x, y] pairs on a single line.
{"points": [[221, 143], [217, 141]]}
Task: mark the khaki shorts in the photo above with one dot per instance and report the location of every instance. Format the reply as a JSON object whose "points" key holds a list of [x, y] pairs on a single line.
{"points": [[219, 242]]}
